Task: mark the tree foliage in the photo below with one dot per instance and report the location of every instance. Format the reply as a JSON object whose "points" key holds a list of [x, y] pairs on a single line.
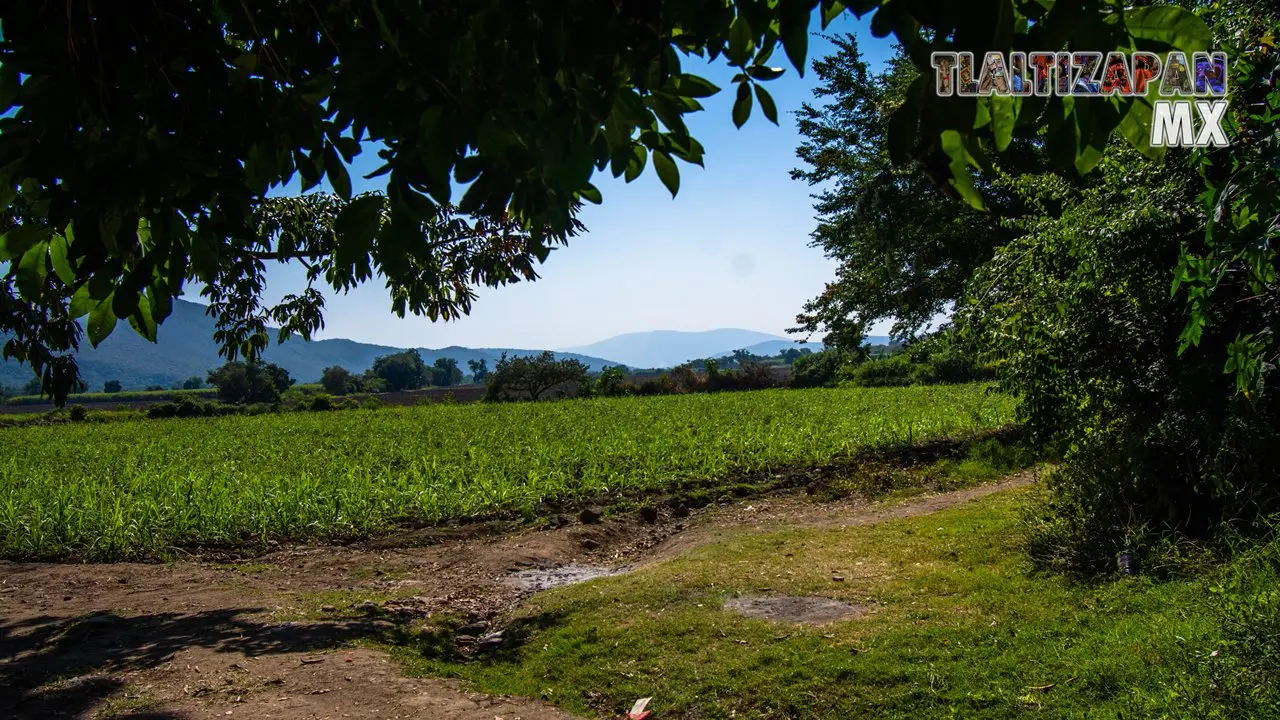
{"points": [[518, 377], [401, 371], [250, 382], [140, 141], [479, 370], [338, 380], [905, 247], [445, 372]]}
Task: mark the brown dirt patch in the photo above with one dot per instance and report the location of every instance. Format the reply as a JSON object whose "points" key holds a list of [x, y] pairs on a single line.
{"points": [[201, 639], [791, 609]]}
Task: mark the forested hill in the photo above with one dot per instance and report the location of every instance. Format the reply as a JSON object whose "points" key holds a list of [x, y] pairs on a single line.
{"points": [[186, 348]]}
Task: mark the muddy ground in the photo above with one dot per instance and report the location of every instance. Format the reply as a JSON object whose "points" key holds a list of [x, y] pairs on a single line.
{"points": [[204, 639]]}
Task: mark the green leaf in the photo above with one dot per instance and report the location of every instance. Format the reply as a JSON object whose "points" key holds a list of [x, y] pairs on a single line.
{"points": [[32, 270], [766, 104], [337, 172], [741, 43], [124, 301], [61, 263], [81, 302], [1170, 26], [142, 321], [357, 224], [1135, 127], [635, 166], [1003, 118], [795, 38], [19, 240], [694, 86], [667, 172], [831, 10], [742, 105], [764, 72], [159, 300], [101, 322], [591, 194], [961, 179]]}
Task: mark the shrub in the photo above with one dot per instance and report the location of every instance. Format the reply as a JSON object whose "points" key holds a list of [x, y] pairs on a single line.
{"points": [[684, 379], [338, 380], [894, 371], [111, 386], [755, 376], [192, 383], [819, 369], [190, 408], [241, 382], [78, 413], [612, 382], [321, 402], [371, 403]]}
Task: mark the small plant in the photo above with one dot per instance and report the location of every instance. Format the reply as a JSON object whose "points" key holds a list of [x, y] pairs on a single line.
{"points": [[78, 413]]}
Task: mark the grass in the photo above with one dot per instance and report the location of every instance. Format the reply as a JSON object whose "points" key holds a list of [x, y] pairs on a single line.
{"points": [[140, 488], [955, 627]]}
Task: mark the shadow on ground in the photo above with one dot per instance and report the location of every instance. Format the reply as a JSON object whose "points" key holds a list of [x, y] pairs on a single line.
{"points": [[58, 667]]}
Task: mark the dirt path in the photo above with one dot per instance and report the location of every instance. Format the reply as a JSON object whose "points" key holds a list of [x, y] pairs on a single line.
{"points": [[203, 640]]}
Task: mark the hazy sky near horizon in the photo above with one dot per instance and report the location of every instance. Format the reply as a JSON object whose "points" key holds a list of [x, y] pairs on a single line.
{"points": [[730, 250]]}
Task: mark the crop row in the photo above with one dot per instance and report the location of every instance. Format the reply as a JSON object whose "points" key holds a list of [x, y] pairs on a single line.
{"points": [[135, 489]]}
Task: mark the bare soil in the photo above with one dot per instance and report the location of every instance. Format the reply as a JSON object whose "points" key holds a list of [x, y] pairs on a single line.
{"points": [[200, 639]]}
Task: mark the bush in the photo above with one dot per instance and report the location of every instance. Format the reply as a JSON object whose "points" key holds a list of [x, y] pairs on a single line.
{"points": [[112, 386], [338, 380], [191, 408], [684, 379], [192, 383], [241, 382], [820, 369], [78, 413], [612, 382], [755, 376], [320, 402], [371, 403], [894, 371]]}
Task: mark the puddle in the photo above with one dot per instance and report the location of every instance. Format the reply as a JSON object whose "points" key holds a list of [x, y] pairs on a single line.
{"points": [[808, 610], [545, 578]]}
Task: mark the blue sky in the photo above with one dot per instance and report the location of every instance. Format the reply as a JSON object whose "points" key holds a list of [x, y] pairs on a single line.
{"points": [[730, 250]]}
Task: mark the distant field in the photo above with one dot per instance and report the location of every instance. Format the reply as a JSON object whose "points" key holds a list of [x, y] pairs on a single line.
{"points": [[141, 488], [119, 397]]}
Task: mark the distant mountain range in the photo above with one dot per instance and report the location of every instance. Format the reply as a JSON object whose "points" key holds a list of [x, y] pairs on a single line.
{"points": [[668, 348], [186, 349]]}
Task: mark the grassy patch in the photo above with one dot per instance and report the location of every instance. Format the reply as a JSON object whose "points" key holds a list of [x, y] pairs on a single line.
{"points": [[954, 627], [139, 488]]}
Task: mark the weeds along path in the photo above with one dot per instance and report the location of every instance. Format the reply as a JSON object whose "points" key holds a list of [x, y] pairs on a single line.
{"points": [[280, 636]]}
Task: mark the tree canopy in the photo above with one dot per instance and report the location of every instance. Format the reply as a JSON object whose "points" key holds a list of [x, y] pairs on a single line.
{"points": [[139, 141]]}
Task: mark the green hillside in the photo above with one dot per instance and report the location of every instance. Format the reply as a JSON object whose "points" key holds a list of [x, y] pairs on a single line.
{"points": [[185, 348]]}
